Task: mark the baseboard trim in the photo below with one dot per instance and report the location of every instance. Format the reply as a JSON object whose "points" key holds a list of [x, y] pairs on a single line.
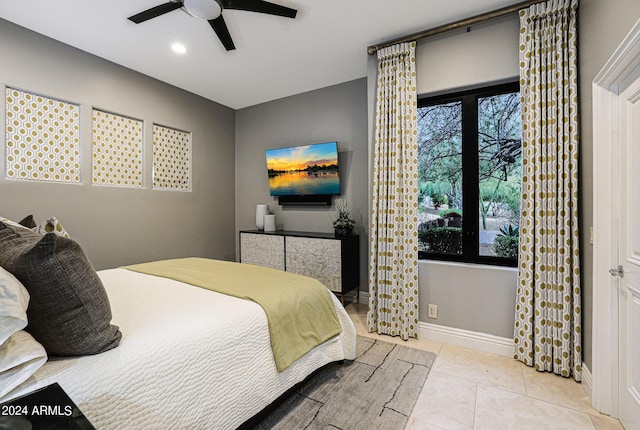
{"points": [[587, 380], [364, 297], [466, 338]]}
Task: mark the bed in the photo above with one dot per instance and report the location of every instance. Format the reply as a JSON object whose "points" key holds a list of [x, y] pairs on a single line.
{"points": [[188, 358]]}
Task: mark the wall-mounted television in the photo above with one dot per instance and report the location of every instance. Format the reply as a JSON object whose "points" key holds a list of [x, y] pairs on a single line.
{"points": [[302, 172]]}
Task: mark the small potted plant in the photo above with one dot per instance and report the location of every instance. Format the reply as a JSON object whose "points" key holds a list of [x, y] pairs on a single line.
{"points": [[343, 224]]}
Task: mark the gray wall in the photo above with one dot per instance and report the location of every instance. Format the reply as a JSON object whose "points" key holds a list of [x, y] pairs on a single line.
{"points": [[486, 53], [334, 113], [473, 297], [122, 226], [466, 294]]}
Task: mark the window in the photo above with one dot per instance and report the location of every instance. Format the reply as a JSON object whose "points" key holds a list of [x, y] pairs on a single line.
{"points": [[470, 173]]}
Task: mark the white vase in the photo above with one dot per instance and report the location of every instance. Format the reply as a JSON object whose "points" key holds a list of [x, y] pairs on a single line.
{"points": [[261, 211], [270, 222]]}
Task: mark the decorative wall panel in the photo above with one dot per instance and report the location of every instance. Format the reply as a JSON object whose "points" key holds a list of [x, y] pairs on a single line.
{"points": [[117, 150], [171, 159], [42, 138]]}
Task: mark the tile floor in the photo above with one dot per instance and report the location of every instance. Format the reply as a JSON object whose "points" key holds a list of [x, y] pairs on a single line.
{"points": [[468, 389]]}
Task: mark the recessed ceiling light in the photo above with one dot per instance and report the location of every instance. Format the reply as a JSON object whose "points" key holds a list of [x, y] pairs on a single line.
{"points": [[179, 48]]}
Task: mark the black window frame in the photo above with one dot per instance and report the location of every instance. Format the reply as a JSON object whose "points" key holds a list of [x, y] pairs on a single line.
{"points": [[470, 172]]}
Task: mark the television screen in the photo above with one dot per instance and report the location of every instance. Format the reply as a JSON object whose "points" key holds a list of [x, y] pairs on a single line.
{"points": [[304, 170]]}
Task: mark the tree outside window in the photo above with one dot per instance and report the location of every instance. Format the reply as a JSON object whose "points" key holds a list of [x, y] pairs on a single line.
{"points": [[469, 156]]}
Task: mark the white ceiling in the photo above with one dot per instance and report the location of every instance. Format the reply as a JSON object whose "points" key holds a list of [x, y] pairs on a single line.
{"points": [[275, 57]]}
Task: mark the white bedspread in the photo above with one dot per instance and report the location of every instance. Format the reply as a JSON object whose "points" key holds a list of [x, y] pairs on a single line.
{"points": [[189, 359]]}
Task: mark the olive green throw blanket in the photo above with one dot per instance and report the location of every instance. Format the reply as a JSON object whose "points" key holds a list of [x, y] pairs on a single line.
{"points": [[299, 309]]}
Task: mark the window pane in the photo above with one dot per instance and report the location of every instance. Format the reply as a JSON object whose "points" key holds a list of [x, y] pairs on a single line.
{"points": [[440, 178], [500, 174]]}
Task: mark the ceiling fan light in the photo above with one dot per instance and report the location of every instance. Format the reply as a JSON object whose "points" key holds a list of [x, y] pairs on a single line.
{"points": [[205, 9]]}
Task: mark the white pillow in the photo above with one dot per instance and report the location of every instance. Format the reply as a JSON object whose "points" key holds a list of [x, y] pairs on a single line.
{"points": [[14, 300], [20, 356]]}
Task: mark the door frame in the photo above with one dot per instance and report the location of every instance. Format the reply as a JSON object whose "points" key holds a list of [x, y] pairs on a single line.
{"points": [[622, 69]]}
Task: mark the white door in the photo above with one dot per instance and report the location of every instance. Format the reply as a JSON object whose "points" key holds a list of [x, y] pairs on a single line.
{"points": [[629, 256]]}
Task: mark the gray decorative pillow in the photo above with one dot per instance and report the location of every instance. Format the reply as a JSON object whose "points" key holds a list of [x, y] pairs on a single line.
{"points": [[28, 222], [69, 312]]}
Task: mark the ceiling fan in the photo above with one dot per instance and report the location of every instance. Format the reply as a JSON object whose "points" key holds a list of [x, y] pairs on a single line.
{"points": [[211, 10]]}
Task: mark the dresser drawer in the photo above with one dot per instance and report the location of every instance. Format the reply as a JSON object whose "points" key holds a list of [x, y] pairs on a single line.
{"points": [[309, 245], [262, 250], [334, 261], [261, 242], [316, 258]]}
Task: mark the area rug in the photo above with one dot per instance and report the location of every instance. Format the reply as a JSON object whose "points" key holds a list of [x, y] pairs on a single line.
{"points": [[376, 391]]}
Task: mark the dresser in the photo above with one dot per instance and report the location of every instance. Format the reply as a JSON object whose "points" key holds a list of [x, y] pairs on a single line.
{"points": [[334, 261]]}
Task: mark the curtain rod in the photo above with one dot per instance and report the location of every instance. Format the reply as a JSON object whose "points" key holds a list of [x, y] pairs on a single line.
{"points": [[454, 25]]}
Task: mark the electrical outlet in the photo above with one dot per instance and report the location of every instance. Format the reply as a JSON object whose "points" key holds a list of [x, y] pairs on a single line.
{"points": [[433, 311]]}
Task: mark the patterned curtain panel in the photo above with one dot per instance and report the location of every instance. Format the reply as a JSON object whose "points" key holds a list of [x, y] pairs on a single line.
{"points": [[548, 307], [393, 275]]}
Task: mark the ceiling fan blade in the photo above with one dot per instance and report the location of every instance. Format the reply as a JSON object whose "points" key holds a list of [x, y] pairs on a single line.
{"points": [[260, 6], [155, 11], [220, 27]]}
